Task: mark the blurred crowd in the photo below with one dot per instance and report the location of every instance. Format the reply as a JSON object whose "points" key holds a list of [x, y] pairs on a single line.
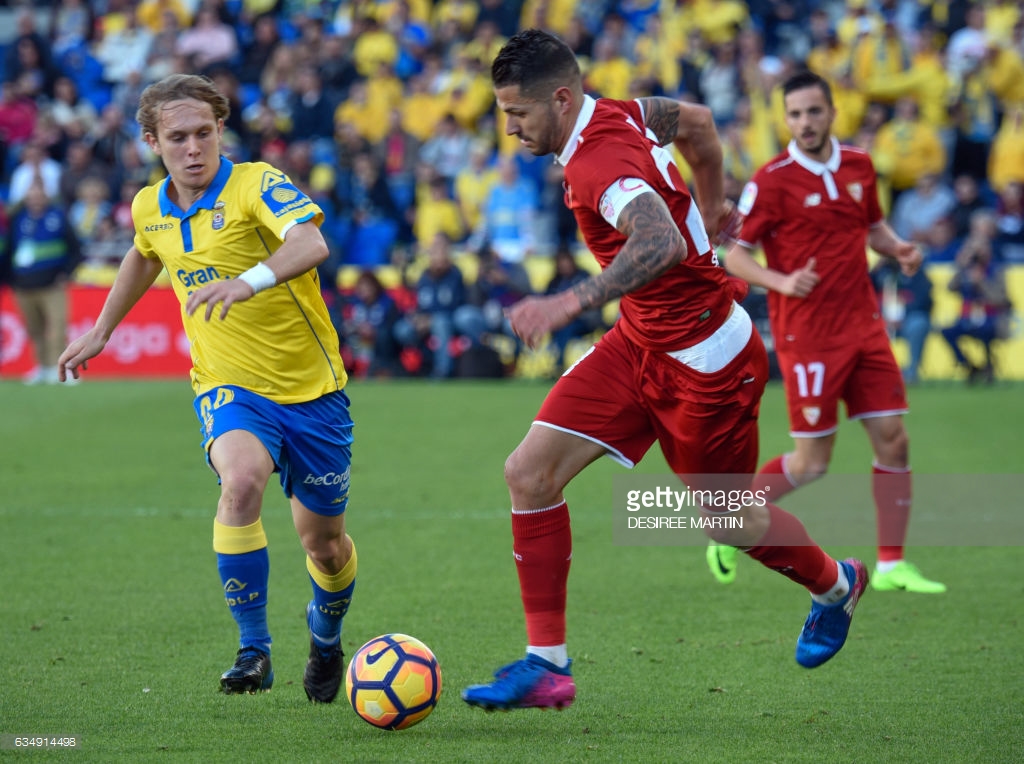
{"points": [[382, 111]]}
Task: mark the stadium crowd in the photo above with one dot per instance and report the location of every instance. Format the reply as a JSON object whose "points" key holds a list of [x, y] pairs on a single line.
{"points": [[382, 110]]}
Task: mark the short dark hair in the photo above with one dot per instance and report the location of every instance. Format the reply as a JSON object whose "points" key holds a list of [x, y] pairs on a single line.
{"points": [[807, 79], [532, 59]]}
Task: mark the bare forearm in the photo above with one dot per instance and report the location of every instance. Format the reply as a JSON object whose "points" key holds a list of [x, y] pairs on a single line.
{"points": [[883, 240], [134, 277], [740, 262], [303, 249], [702, 150]]}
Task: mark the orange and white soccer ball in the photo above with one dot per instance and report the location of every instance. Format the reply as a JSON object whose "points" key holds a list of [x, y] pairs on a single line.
{"points": [[393, 681]]}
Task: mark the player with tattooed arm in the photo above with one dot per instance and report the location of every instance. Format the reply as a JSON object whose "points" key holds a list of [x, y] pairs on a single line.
{"points": [[683, 365]]}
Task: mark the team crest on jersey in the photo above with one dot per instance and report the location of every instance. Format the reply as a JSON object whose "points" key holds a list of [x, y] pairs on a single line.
{"points": [[812, 200], [856, 191], [218, 221], [812, 414], [747, 198]]}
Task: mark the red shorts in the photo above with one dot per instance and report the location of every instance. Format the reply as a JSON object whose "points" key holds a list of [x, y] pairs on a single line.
{"points": [[624, 398], [864, 376]]}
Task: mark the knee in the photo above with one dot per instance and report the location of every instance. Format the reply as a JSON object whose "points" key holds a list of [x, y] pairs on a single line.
{"points": [[894, 448], [807, 469], [744, 528], [530, 484], [242, 493]]}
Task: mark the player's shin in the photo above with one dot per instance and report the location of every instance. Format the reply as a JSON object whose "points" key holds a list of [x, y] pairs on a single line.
{"points": [[773, 478], [891, 488], [542, 545], [787, 548], [331, 597], [244, 567]]}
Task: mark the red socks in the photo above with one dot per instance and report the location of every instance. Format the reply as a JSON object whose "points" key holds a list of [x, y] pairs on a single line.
{"points": [[891, 489], [542, 545], [773, 476], [787, 549]]}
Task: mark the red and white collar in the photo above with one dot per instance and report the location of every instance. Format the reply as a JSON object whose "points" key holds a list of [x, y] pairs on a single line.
{"points": [[575, 139]]}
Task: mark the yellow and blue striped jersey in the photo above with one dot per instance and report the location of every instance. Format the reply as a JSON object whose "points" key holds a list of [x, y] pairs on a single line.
{"points": [[281, 343]]}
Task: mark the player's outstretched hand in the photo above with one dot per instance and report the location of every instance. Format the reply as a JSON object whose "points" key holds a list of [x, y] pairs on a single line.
{"points": [[909, 256], [534, 317], [78, 353], [226, 292], [802, 281]]}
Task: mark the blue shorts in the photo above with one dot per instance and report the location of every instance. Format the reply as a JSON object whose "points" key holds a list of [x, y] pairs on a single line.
{"points": [[310, 443]]}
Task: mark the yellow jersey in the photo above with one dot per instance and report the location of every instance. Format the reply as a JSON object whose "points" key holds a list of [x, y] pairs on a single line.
{"points": [[281, 343]]}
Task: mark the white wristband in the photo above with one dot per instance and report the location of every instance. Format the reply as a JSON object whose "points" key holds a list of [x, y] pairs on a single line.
{"points": [[259, 277]]}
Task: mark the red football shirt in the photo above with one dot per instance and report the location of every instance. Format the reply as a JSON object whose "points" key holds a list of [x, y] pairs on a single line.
{"points": [[798, 208], [611, 144]]}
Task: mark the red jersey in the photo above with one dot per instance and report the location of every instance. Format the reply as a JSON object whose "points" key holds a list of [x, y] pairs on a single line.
{"points": [[798, 208], [610, 145]]}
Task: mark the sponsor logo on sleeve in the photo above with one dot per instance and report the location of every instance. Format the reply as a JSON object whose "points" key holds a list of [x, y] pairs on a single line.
{"points": [[280, 194]]}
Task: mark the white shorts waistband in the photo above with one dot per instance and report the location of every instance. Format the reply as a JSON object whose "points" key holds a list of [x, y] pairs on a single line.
{"points": [[721, 348]]}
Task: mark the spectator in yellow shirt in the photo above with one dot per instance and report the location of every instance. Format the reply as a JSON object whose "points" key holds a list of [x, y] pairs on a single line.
{"points": [[851, 106], [1004, 70], [469, 90], [933, 87], [1000, 18], [829, 57], [553, 15], [610, 73], [369, 119], [485, 44], [374, 45], [718, 20], [422, 110], [1006, 160], [384, 91], [474, 183], [437, 213], [879, 59], [857, 20], [913, 146], [657, 56], [462, 13], [150, 14]]}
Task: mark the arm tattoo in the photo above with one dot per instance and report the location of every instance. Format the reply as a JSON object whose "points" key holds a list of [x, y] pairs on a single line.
{"points": [[661, 115], [653, 247]]}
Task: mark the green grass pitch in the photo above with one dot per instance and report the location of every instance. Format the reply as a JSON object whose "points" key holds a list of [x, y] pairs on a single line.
{"points": [[113, 626]]}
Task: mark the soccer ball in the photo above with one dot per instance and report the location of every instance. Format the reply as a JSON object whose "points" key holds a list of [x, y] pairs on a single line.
{"points": [[393, 681]]}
